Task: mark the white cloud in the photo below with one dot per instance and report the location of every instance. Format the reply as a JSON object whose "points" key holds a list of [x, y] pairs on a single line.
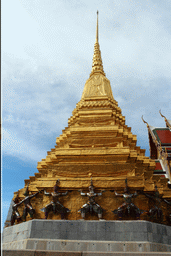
{"points": [[59, 34], [44, 86], [14, 146]]}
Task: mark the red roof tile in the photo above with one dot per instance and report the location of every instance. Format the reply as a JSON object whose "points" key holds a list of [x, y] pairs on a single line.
{"points": [[164, 135]]}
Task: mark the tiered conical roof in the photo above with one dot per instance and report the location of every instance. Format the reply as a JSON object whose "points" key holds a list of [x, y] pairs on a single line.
{"points": [[96, 141]]}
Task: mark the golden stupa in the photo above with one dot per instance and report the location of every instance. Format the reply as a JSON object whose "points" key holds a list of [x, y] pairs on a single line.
{"points": [[96, 143]]}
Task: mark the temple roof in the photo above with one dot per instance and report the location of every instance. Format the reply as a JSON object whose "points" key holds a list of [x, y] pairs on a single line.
{"points": [[160, 148], [159, 170], [163, 135]]}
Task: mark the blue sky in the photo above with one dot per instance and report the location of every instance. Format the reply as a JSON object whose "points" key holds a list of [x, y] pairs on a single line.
{"points": [[47, 51]]}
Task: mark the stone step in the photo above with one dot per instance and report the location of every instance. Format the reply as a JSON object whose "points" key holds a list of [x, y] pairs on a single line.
{"points": [[56, 253], [80, 245]]}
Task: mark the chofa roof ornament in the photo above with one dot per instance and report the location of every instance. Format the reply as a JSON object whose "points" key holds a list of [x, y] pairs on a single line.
{"points": [[145, 122], [168, 122]]}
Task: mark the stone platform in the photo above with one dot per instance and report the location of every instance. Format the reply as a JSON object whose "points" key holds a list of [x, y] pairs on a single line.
{"points": [[55, 253], [88, 236]]}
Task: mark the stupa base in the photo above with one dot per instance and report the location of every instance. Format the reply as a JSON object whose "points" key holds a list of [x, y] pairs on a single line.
{"points": [[88, 236], [57, 253]]}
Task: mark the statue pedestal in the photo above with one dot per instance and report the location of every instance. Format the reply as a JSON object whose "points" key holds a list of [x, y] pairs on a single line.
{"points": [[88, 236]]}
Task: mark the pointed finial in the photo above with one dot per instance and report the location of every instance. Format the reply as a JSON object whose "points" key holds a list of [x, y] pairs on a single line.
{"points": [[161, 114], [144, 121], [97, 66], [166, 121], [97, 29]]}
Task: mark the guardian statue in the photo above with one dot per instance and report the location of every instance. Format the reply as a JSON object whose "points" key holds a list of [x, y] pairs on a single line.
{"points": [[27, 204], [15, 213], [128, 208], [91, 206], [55, 206], [155, 212]]}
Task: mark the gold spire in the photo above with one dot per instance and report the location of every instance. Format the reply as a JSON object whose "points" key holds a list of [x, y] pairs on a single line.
{"points": [[97, 32], [97, 66]]}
